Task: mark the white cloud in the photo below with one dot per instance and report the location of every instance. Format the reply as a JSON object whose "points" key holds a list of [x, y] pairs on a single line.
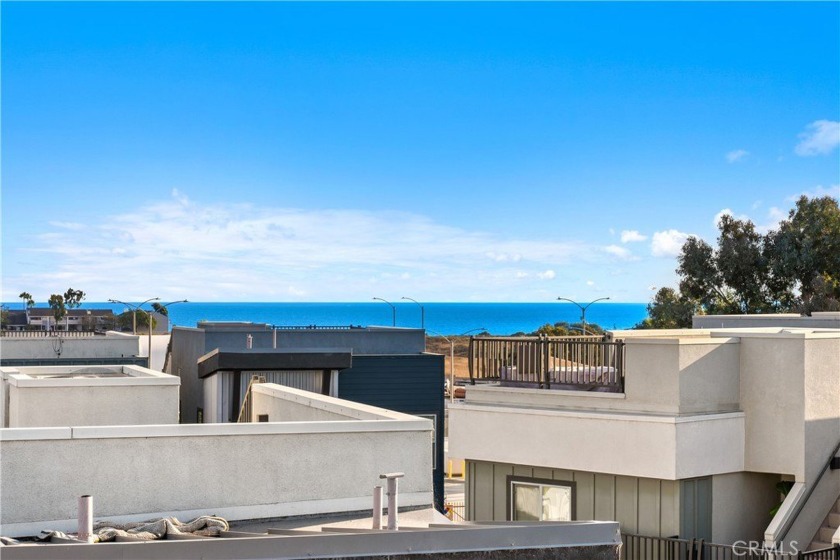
{"points": [[736, 155], [668, 243], [728, 212], [521, 274], [632, 236], [179, 248], [820, 137], [618, 251], [817, 192], [590, 283]]}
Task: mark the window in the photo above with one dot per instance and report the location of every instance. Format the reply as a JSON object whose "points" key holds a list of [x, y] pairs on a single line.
{"points": [[536, 499]]}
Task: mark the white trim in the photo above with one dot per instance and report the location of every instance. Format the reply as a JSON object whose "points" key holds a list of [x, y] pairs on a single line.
{"points": [[628, 416], [26, 434], [209, 430]]}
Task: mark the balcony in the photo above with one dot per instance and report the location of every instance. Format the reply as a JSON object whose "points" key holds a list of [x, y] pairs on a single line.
{"points": [[579, 363]]}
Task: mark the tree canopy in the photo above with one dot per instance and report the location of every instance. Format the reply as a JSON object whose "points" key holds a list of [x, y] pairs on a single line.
{"points": [[793, 268]]}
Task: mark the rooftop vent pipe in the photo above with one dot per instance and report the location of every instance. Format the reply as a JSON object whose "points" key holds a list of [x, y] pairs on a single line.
{"points": [[377, 508], [393, 522], [85, 531], [249, 342]]}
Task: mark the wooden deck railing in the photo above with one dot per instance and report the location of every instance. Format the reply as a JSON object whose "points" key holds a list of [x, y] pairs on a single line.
{"points": [[588, 363]]}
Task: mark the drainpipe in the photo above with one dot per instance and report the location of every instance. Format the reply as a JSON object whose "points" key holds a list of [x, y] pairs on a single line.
{"points": [[85, 531], [392, 478], [274, 338]]}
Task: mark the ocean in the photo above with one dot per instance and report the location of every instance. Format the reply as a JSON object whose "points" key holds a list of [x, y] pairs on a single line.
{"points": [[442, 318]]}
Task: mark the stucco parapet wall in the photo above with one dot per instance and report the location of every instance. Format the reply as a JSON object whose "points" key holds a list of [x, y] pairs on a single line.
{"points": [[211, 430], [779, 333], [684, 340], [621, 443], [54, 376], [352, 410]]}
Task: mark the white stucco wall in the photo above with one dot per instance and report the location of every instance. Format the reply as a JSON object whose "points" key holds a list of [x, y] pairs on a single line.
{"points": [[138, 396], [652, 446], [112, 345], [237, 471], [284, 404]]}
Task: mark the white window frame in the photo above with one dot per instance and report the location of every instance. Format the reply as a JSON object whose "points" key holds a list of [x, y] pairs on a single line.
{"points": [[540, 483]]}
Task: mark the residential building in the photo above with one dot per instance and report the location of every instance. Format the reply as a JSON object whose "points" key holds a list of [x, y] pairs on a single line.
{"points": [[671, 433], [817, 319], [34, 348], [379, 366], [43, 318]]}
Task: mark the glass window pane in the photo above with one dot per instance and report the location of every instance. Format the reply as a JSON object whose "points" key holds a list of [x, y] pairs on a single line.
{"points": [[556, 503], [527, 503]]}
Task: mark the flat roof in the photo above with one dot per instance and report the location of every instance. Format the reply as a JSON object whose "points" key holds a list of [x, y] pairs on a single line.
{"points": [[274, 359]]}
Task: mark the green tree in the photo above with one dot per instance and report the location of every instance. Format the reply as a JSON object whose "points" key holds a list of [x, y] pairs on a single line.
{"points": [[160, 309], [793, 268], [27, 300], [56, 303], [564, 328], [807, 254], [125, 321], [73, 298], [668, 310]]}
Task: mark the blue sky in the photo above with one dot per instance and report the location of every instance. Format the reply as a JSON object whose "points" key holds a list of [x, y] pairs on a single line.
{"points": [[441, 151]]}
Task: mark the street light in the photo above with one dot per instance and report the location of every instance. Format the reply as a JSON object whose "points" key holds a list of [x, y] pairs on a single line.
{"points": [[134, 318], [452, 358], [422, 312], [165, 305], [393, 309], [583, 309]]}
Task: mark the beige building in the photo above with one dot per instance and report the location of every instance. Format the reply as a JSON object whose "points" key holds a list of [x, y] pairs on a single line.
{"points": [[672, 433]]}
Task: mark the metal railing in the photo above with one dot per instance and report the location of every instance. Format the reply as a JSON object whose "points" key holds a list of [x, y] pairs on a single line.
{"points": [[315, 327], [48, 334], [247, 402], [785, 528], [573, 362], [637, 547], [455, 510]]}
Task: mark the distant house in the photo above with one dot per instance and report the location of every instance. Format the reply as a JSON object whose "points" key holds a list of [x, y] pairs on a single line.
{"points": [[379, 366], [672, 433], [76, 320]]}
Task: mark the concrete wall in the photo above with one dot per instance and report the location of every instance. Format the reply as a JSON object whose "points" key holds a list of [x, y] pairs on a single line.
{"points": [[741, 504], [237, 471], [825, 320], [641, 505], [790, 393], [651, 446], [112, 345], [286, 404], [663, 376], [371, 340], [140, 396]]}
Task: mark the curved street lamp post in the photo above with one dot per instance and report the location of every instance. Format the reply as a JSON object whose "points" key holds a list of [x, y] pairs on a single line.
{"points": [[134, 320], [583, 309], [165, 305], [422, 312], [393, 309], [452, 358]]}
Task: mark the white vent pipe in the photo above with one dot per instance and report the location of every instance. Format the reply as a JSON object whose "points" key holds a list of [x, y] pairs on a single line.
{"points": [[249, 342], [393, 506], [85, 532], [377, 508]]}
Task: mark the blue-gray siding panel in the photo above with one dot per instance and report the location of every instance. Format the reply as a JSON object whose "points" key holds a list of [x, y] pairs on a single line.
{"points": [[406, 383]]}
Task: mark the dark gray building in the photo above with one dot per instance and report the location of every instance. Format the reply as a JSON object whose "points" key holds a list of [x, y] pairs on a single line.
{"points": [[380, 366]]}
